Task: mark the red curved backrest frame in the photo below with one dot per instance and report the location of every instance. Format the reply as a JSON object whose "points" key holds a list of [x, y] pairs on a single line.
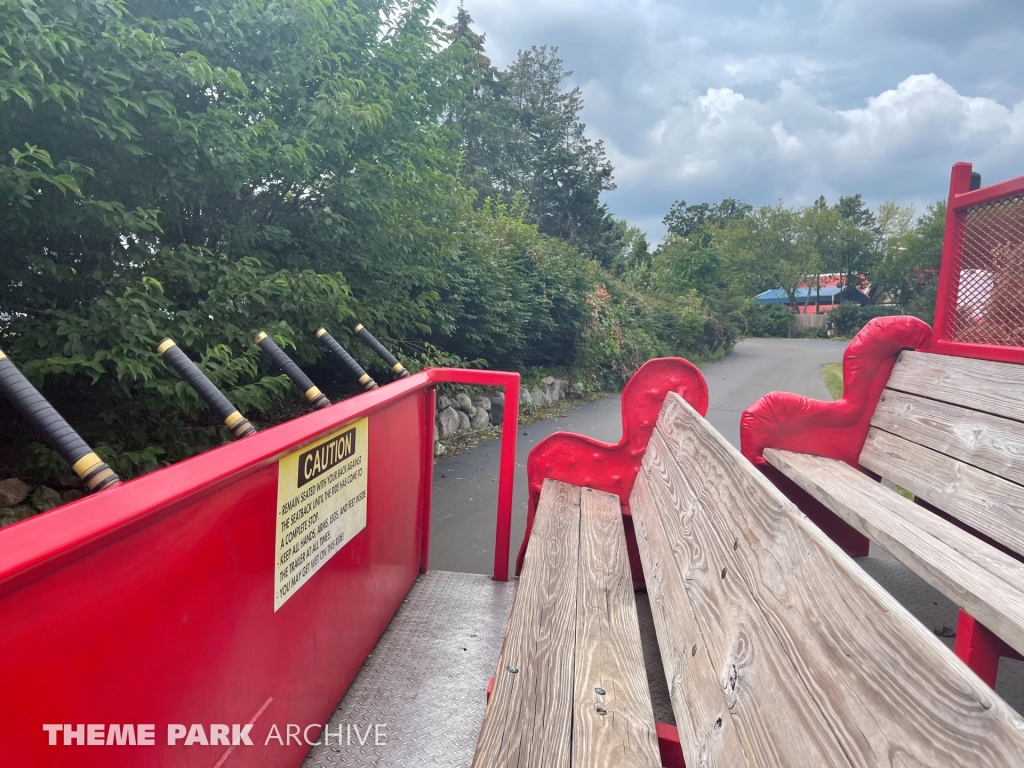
{"points": [[610, 467]]}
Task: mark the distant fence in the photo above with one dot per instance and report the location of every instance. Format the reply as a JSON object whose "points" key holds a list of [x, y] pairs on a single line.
{"points": [[803, 322]]}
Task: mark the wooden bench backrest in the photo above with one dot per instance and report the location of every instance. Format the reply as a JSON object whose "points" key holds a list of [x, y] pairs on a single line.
{"points": [[951, 431], [778, 648]]}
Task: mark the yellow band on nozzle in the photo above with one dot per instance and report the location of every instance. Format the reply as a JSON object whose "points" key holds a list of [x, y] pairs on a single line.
{"points": [[260, 337], [165, 345], [359, 328], [84, 464], [320, 332], [313, 393]]}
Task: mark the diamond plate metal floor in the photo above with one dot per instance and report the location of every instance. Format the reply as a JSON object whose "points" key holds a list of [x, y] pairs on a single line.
{"points": [[426, 680]]}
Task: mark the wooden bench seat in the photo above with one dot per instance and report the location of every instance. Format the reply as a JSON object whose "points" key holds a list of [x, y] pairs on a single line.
{"points": [[950, 431], [571, 687], [778, 650], [987, 583]]}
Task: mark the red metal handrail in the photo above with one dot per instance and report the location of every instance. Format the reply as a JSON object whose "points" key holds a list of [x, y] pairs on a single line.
{"points": [[76, 527]]}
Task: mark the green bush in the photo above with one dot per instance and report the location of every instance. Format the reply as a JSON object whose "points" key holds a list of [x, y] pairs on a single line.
{"points": [[849, 317], [769, 320]]}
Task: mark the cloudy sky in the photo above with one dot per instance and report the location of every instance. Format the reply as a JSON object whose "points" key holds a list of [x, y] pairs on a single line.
{"points": [[762, 101]]}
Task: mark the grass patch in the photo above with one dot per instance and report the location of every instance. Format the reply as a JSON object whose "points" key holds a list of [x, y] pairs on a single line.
{"points": [[832, 375]]}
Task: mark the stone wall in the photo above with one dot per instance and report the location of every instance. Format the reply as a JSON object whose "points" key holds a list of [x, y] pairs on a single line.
{"points": [[19, 500], [460, 413]]}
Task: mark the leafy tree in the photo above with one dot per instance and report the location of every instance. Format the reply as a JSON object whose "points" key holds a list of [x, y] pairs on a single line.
{"points": [[908, 269], [687, 220], [205, 172], [765, 250]]}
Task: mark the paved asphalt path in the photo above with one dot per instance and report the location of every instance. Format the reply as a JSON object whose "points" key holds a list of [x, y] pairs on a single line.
{"points": [[465, 486]]}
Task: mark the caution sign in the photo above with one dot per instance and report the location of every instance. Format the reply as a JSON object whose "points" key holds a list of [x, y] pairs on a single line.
{"points": [[321, 505]]}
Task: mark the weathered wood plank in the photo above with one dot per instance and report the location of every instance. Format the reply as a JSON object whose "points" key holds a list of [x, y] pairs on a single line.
{"points": [[981, 385], [989, 442], [982, 580], [707, 735], [869, 678], [613, 729], [984, 501], [528, 722], [766, 708]]}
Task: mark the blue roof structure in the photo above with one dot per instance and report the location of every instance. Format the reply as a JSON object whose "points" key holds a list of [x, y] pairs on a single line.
{"points": [[832, 294]]}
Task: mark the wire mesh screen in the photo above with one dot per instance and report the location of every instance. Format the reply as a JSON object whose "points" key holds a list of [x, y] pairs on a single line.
{"points": [[989, 306]]}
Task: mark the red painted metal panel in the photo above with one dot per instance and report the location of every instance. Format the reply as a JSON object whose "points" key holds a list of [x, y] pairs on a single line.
{"points": [[980, 648], [152, 603], [669, 746]]}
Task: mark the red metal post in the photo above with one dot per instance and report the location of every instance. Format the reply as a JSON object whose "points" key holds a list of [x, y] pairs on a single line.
{"points": [[426, 475], [669, 747], [507, 465], [980, 648], [949, 269]]}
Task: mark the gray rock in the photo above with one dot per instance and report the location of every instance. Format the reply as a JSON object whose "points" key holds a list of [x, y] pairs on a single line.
{"points": [[44, 499], [68, 481], [464, 423], [463, 403], [578, 387], [443, 402], [525, 398], [554, 389], [439, 449], [482, 402], [15, 514], [497, 401], [480, 419], [436, 435], [561, 388], [72, 495], [13, 491], [540, 397], [448, 420]]}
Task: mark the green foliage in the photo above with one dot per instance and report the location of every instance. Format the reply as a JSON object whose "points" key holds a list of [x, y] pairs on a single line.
{"points": [[206, 172], [685, 220], [908, 267], [832, 375], [521, 133], [770, 320], [514, 297], [850, 318]]}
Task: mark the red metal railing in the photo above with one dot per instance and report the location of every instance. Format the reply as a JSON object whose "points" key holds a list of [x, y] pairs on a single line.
{"points": [[153, 602], [980, 306]]}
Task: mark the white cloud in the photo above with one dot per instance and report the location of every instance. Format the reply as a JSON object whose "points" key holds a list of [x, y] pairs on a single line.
{"points": [[795, 148], [765, 100]]}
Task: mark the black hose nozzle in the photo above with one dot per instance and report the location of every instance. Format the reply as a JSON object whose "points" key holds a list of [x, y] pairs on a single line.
{"points": [[178, 360], [51, 425], [288, 366], [339, 352], [377, 347]]}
